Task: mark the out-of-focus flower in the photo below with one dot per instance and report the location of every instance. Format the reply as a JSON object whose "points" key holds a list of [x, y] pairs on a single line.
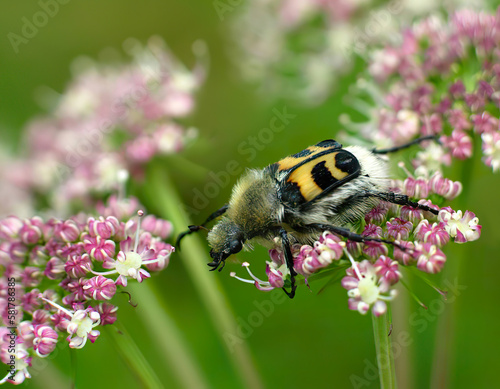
{"points": [[22, 360], [444, 187], [377, 215], [491, 149], [404, 254], [299, 49], [109, 122]]}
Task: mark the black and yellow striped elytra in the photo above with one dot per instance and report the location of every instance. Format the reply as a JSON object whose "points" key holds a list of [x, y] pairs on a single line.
{"points": [[307, 176]]}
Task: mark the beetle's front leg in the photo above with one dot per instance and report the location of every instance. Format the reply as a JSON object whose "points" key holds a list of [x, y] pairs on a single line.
{"points": [[289, 262]]}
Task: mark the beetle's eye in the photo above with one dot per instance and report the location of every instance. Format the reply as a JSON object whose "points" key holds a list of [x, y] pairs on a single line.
{"points": [[236, 246]]}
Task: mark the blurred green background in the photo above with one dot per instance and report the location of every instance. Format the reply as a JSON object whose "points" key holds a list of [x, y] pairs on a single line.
{"points": [[311, 341]]}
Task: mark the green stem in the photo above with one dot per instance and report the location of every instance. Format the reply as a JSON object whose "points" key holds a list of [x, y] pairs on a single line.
{"points": [[404, 361], [385, 358], [168, 337], [210, 291], [133, 356]]}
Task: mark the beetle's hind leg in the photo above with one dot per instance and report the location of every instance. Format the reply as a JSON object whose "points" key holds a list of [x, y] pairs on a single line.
{"points": [[400, 199], [346, 233]]}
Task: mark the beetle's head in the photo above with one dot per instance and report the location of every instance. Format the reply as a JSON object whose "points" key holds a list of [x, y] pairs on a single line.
{"points": [[225, 238]]}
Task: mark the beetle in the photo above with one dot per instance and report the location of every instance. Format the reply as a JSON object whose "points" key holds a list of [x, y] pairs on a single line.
{"points": [[324, 187]]}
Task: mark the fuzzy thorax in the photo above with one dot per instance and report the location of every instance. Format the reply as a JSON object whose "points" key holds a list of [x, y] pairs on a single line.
{"points": [[254, 204]]}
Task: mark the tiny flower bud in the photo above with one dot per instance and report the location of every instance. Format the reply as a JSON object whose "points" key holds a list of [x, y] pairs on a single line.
{"points": [[77, 266], [373, 231], [387, 269], [434, 234], [398, 229], [68, 231], [406, 257], [373, 250], [430, 259], [103, 227], [100, 288], [45, 340]]}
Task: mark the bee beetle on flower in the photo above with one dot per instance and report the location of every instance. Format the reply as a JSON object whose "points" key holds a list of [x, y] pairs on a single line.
{"points": [[322, 191]]}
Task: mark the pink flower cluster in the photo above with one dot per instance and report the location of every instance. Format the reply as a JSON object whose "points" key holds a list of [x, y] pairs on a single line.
{"points": [[444, 80], [59, 276], [109, 122]]}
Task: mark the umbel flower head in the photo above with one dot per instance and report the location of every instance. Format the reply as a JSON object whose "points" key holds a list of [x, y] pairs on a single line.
{"points": [[374, 268], [57, 275], [442, 79]]}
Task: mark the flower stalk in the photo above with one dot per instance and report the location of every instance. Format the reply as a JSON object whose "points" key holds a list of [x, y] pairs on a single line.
{"points": [[382, 328]]}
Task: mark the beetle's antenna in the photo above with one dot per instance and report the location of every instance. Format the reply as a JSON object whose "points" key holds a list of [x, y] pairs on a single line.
{"points": [[192, 229]]}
